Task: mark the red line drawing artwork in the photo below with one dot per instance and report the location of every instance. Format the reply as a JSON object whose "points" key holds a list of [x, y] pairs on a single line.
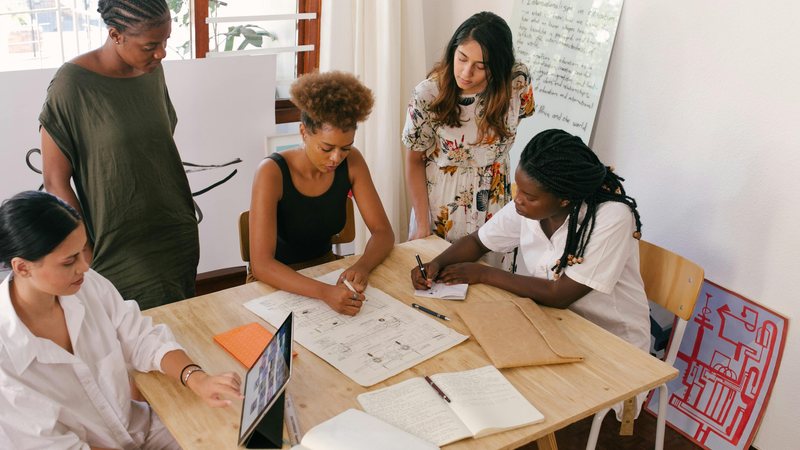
{"points": [[728, 360]]}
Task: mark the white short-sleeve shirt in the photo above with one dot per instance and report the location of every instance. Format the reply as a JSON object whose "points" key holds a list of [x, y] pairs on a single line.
{"points": [[610, 265], [53, 399]]}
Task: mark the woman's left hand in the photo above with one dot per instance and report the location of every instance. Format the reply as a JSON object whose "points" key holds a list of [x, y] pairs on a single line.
{"points": [[216, 390], [356, 276], [470, 273]]}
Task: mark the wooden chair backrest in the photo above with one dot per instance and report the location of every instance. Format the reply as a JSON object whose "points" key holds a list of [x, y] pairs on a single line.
{"points": [[348, 233], [244, 235], [670, 280]]}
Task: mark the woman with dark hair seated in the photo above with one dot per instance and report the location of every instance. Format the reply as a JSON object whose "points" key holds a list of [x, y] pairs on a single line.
{"points": [[67, 338], [299, 195], [577, 232]]}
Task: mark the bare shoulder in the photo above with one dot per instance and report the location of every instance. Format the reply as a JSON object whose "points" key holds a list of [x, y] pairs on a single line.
{"points": [[268, 178], [356, 159]]}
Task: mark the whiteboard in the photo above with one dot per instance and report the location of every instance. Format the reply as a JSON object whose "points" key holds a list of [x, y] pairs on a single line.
{"points": [[226, 110], [566, 45]]}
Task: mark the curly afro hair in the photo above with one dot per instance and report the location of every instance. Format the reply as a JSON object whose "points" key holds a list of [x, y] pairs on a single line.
{"points": [[334, 98]]}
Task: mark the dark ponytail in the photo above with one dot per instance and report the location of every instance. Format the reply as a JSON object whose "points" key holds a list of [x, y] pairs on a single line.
{"points": [[32, 224]]}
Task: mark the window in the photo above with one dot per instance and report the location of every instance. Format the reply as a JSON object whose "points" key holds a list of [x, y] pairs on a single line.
{"points": [[289, 28], [38, 34]]}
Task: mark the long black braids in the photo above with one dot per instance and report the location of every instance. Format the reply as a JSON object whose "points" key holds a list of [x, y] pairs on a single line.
{"points": [[570, 170], [123, 14]]}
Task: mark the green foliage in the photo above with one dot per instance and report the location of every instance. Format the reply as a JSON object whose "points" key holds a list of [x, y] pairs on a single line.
{"points": [[250, 35]]}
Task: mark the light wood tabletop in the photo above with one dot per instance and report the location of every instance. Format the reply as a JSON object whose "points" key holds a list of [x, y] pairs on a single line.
{"points": [[612, 371]]}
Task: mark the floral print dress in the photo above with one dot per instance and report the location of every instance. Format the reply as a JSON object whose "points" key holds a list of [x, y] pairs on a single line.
{"points": [[467, 182]]}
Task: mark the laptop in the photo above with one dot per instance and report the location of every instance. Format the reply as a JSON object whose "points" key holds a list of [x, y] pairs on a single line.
{"points": [[267, 379]]}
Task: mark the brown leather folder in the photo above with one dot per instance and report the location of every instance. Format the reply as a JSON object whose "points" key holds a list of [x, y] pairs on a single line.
{"points": [[517, 332]]}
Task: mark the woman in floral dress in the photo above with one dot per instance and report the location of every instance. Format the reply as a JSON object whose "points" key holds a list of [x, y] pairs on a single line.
{"points": [[461, 124]]}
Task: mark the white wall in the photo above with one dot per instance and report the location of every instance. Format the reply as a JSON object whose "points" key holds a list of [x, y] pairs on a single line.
{"points": [[701, 116], [700, 113], [442, 17]]}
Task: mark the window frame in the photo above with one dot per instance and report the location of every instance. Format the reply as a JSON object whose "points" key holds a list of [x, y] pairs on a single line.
{"points": [[308, 32]]}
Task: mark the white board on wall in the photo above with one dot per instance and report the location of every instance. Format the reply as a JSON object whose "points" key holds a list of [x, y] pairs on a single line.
{"points": [[225, 110], [566, 45]]}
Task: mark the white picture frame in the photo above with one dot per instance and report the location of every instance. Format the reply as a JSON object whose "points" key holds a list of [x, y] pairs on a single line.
{"points": [[286, 136]]}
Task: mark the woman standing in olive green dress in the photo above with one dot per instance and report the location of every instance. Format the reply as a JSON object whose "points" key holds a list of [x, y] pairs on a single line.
{"points": [[107, 126]]}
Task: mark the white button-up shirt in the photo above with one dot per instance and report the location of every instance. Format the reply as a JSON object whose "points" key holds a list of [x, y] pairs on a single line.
{"points": [[51, 399], [610, 265]]}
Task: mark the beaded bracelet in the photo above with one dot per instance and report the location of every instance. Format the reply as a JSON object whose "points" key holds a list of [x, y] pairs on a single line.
{"points": [[190, 372], [181, 377]]}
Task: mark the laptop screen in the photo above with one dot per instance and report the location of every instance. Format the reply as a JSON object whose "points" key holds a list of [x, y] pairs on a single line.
{"points": [[267, 379]]}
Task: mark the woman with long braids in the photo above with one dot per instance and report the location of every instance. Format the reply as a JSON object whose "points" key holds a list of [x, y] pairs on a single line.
{"points": [[107, 125], [577, 232], [462, 121]]}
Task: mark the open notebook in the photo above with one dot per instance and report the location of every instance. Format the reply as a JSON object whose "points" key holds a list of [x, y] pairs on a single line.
{"points": [[444, 291], [482, 402]]}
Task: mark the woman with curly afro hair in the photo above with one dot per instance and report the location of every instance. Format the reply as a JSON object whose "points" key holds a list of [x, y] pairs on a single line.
{"points": [[299, 195]]}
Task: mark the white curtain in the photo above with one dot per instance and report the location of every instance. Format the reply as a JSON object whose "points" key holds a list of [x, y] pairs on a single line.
{"points": [[382, 42]]}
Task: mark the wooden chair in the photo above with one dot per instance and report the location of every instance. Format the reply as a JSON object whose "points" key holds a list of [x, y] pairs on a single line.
{"points": [[674, 283], [348, 233]]}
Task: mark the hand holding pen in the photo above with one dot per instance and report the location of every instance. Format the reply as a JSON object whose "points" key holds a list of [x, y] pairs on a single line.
{"points": [[352, 289], [422, 275], [344, 298]]}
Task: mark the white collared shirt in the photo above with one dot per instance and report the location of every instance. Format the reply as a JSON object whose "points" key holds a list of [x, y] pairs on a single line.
{"points": [[610, 265], [51, 399]]}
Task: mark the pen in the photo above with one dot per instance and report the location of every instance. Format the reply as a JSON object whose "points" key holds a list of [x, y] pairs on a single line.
{"points": [[421, 267], [350, 286], [429, 311], [291, 422], [436, 388]]}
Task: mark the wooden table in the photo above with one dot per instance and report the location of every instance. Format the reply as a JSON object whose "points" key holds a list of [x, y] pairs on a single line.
{"points": [[612, 371]]}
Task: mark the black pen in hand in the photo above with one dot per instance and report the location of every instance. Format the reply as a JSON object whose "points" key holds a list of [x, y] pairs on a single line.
{"points": [[422, 268], [429, 311]]}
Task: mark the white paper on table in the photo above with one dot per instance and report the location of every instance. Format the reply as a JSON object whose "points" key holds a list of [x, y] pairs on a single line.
{"points": [[357, 430], [385, 338], [444, 291]]}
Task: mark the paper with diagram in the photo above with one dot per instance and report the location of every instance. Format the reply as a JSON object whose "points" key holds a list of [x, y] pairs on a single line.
{"points": [[385, 338]]}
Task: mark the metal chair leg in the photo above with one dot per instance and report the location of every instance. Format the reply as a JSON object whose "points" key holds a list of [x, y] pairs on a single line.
{"points": [[661, 420], [595, 432]]}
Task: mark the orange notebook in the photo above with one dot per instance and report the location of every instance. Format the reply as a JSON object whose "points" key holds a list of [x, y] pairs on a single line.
{"points": [[245, 343]]}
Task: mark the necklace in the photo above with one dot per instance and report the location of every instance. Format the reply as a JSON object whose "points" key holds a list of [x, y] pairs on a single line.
{"points": [[466, 101]]}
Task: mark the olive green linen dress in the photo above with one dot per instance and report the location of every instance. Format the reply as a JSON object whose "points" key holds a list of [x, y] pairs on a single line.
{"points": [[128, 176]]}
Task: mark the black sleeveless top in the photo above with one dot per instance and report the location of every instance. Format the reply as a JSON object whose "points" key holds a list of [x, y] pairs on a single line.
{"points": [[306, 224]]}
